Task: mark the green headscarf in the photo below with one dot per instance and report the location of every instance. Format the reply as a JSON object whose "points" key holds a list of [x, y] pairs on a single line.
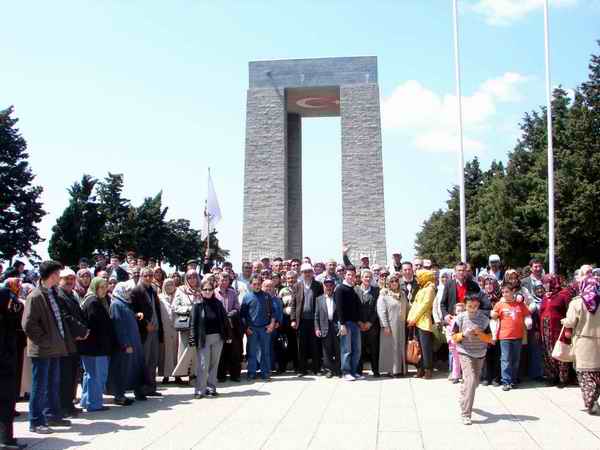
{"points": [[93, 291]]}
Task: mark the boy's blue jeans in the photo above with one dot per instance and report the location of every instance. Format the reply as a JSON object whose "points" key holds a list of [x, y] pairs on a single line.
{"points": [[510, 350]]}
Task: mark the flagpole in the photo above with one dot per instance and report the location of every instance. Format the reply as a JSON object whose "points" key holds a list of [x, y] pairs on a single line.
{"points": [[551, 236], [461, 158], [207, 220]]}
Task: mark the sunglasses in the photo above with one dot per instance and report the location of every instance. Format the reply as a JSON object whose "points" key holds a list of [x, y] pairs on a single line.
{"points": [[206, 290]]}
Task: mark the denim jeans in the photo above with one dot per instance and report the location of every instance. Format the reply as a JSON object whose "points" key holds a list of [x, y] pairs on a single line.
{"points": [[350, 349], [510, 350], [259, 342], [94, 381], [44, 402]]}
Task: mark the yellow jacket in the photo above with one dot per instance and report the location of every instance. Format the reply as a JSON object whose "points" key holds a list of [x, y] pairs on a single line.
{"points": [[421, 309]]}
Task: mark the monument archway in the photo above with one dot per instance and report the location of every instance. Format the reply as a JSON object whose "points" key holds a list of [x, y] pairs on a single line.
{"points": [[280, 94]]}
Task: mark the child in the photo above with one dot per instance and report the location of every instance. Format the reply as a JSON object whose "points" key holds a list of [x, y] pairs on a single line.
{"points": [[471, 333], [511, 314], [455, 374]]}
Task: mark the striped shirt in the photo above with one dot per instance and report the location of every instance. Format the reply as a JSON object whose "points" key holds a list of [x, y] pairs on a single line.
{"points": [[471, 345]]}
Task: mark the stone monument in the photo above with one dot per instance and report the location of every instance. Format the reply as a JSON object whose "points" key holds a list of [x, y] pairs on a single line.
{"points": [[280, 94]]}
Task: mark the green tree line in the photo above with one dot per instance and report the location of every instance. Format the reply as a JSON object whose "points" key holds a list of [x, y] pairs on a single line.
{"points": [[507, 205], [99, 219]]}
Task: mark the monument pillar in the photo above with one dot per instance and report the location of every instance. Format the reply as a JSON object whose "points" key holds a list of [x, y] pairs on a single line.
{"points": [[363, 215], [294, 186], [265, 175]]}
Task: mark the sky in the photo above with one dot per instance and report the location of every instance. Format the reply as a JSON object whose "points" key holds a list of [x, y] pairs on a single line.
{"points": [[157, 91]]}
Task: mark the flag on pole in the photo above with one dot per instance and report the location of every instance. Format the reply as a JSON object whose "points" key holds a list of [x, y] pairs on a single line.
{"points": [[212, 211]]}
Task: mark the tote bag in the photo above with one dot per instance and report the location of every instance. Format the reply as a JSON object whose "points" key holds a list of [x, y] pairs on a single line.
{"points": [[561, 351], [413, 349]]}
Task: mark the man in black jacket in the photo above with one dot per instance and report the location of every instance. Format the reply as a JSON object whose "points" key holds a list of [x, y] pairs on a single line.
{"points": [[456, 291], [144, 300], [75, 322], [305, 294], [369, 322], [115, 269], [347, 306]]}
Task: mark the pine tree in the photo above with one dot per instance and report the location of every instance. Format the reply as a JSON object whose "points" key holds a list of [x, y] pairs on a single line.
{"points": [[116, 211], [78, 231], [20, 205]]}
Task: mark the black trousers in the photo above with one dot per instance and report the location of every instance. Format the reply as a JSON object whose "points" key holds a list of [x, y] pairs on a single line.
{"points": [[231, 359], [491, 368], [308, 347], [369, 349], [8, 399], [291, 352], [426, 343], [331, 350], [69, 370]]}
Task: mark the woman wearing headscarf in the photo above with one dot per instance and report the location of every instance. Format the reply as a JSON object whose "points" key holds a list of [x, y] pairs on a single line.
{"points": [[126, 371], [82, 284], [176, 278], [491, 367], [392, 309], [159, 276], [419, 317], [552, 310], [10, 311], [583, 324], [167, 359], [95, 351], [25, 387], [445, 276], [185, 297], [14, 285], [209, 329]]}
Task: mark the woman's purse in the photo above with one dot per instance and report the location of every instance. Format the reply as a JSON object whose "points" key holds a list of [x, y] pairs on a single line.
{"points": [[562, 352], [182, 322], [413, 350]]}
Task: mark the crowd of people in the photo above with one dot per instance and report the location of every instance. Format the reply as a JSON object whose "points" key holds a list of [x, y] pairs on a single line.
{"points": [[119, 326]]}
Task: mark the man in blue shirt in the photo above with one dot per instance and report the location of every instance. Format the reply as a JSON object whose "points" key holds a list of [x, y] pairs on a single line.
{"points": [[258, 321]]}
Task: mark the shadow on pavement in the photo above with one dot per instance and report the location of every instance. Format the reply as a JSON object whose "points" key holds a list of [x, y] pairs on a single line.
{"points": [[493, 418], [53, 443]]}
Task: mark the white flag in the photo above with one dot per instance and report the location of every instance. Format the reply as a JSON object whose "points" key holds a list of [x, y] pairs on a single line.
{"points": [[212, 211]]}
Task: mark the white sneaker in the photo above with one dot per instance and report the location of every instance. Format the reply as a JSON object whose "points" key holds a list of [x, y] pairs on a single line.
{"points": [[360, 377], [349, 377], [466, 421]]}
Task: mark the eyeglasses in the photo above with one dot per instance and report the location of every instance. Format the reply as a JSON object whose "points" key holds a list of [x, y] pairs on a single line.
{"points": [[148, 275], [206, 290]]}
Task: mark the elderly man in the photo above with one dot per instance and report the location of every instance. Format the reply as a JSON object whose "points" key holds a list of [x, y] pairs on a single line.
{"points": [[144, 300], [330, 267], [69, 303], [231, 356], [46, 344], [368, 322], [396, 265], [327, 328], [305, 294]]}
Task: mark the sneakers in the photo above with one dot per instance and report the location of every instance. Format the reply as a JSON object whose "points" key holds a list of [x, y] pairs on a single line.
{"points": [[594, 410], [485, 383], [41, 429], [198, 396], [13, 445], [506, 387], [59, 423], [466, 421], [359, 377], [349, 377]]}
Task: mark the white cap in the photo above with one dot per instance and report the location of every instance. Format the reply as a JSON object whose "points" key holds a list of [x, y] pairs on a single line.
{"points": [[363, 256], [375, 267], [306, 267], [427, 263], [494, 258], [67, 272], [397, 252]]}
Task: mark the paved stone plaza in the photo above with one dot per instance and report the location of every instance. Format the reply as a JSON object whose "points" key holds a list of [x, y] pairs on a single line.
{"points": [[318, 413]]}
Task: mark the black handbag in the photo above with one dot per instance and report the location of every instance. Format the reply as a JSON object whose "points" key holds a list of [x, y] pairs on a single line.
{"points": [[182, 322]]}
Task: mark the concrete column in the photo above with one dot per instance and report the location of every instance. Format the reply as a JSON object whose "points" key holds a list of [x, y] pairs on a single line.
{"points": [[294, 184], [265, 175], [363, 213]]}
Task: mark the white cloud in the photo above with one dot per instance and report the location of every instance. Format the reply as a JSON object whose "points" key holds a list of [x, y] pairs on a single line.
{"points": [[505, 12], [430, 118]]}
